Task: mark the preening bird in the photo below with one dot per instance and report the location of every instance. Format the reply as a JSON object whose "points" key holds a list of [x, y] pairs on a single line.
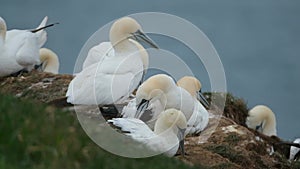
{"points": [[262, 119], [168, 134], [159, 93], [49, 61]]}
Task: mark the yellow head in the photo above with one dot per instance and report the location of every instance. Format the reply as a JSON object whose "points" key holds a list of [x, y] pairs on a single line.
{"points": [[123, 29], [190, 84], [155, 87], [170, 118], [143, 53]]}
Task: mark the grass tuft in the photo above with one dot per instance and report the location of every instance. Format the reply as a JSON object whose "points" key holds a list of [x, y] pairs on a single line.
{"points": [[37, 136]]}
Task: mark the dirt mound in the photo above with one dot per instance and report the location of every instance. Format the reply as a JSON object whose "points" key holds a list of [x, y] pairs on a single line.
{"points": [[225, 143], [43, 87]]}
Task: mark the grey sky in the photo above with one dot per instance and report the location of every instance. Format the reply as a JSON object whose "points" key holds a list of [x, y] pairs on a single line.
{"points": [[257, 41]]}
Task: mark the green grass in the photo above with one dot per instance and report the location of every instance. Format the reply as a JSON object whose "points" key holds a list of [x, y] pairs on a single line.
{"points": [[229, 153], [41, 137], [232, 139]]}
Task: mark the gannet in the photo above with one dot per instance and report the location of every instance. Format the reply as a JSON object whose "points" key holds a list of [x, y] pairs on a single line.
{"points": [[19, 49], [113, 78], [262, 119], [168, 134], [49, 61]]}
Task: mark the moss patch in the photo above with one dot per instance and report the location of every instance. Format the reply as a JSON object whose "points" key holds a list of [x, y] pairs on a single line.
{"points": [[229, 153], [232, 139]]}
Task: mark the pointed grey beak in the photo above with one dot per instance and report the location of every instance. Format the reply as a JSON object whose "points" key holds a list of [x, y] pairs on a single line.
{"points": [[142, 37], [202, 99], [180, 136], [141, 107], [39, 67]]}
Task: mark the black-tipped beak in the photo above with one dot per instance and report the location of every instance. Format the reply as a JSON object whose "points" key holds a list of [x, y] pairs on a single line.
{"points": [[47, 26], [180, 136], [39, 67], [142, 37], [202, 99], [141, 107]]}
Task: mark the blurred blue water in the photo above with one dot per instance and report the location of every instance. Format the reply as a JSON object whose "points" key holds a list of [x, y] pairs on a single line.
{"points": [[258, 41]]}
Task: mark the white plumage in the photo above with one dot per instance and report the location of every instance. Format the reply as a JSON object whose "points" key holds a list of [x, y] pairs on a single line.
{"points": [[19, 49], [114, 76], [97, 53], [160, 92], [262, 119], [167, 134], [130, 111], [105, 49], [111, 81], [200, 116], [49, 61]]}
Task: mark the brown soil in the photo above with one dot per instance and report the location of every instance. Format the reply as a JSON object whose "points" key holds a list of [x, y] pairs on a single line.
{"points": [[44, 87], [230, 143]]}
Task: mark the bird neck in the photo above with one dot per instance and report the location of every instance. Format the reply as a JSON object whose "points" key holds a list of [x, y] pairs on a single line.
{"points": [[269, 127], [160, 127], [125, 46], [121, 43], [3, 30], [143, 53], [168, 134], [2, 36]]}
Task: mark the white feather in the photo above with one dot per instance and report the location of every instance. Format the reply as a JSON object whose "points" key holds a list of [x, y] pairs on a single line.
{"points": [[106, 82], [115, 75], [176, 97], [97, 53], [164, 138], [19, 49]]}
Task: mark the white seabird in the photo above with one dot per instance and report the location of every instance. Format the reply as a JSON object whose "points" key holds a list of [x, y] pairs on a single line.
{"points": [[19, 49], [200, 116], [262, 119], [159, 93], [194, 87], [114, 78], [190, 87], [168, 134], [49, 61]]}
